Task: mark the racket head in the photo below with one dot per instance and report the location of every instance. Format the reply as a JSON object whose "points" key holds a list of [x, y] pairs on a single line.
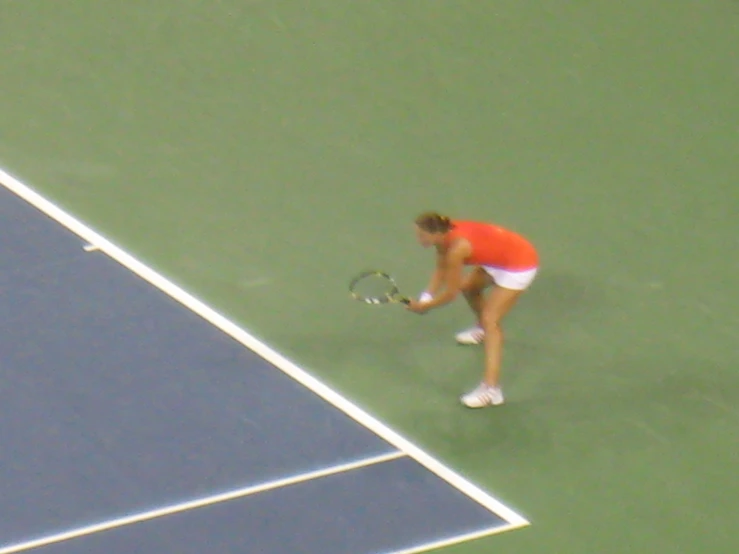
{"points": [[376, 287]]}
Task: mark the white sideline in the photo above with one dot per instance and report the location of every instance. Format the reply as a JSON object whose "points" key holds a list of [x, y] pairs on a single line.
{"points": [[97, 241]]}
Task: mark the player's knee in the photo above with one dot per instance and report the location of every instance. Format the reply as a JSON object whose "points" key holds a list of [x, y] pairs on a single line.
{"points": [[491, 323], [472, 288], [471, 292]]}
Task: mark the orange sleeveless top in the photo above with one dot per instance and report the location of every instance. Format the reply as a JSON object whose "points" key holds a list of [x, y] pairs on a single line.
{"points": [[494, 246]]}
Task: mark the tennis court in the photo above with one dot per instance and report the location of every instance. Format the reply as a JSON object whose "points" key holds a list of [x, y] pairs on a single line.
{"points": [[188, 187]]}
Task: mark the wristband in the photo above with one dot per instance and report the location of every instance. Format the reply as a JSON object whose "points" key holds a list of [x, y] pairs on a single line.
{"points": [[425, 297]]}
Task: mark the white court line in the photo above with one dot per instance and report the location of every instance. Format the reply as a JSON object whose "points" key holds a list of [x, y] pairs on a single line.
{"points": [[260, 348], [451, 541], [198, 503]]}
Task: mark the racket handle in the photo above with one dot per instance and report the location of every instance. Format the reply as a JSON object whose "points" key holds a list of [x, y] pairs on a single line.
{"points": [[405, 301]]}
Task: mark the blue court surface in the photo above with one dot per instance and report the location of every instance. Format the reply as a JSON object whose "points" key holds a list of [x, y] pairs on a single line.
{"points": [[134, 419]]}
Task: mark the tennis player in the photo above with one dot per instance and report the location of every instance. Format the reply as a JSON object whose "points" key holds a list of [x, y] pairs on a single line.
{"points": [[500, 258]]}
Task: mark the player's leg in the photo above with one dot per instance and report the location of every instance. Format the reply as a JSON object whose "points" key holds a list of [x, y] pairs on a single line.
{"points": [[473, 287], [498, 304], [495, 307]]}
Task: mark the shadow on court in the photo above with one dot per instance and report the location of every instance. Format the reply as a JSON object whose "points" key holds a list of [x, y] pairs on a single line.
{"points": [[558, 299]]}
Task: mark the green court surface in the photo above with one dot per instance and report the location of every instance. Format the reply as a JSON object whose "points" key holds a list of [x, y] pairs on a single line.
{"points": [[260, 153]]}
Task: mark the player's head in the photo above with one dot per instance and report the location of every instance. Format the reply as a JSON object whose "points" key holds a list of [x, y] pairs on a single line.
{"points": [[431, 228]]}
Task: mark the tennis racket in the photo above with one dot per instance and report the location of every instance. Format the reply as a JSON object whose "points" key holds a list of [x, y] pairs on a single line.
{"points": [[376, 287]]}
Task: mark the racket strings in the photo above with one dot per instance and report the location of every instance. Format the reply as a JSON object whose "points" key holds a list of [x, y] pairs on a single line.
{"points": [[374, 287]]}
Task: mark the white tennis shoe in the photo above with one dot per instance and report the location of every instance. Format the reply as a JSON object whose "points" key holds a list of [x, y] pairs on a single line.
{"points": [[474, 335], [483, 395]]}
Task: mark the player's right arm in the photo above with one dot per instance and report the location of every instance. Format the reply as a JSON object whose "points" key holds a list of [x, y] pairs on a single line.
{"points": [[439, 274]]}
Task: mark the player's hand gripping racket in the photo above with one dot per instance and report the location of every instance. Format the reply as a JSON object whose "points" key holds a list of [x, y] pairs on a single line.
{"points": [[376, 287]]}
